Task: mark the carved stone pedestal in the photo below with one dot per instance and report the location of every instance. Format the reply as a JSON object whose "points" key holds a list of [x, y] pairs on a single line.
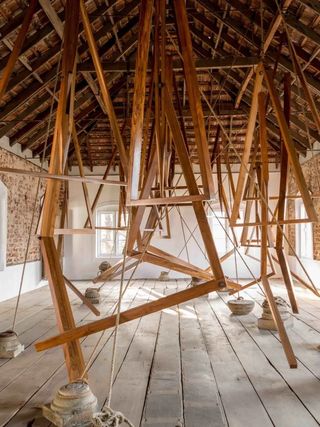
{"points": [[73, 405], [10, 346], [93, 295], [266, 321]]}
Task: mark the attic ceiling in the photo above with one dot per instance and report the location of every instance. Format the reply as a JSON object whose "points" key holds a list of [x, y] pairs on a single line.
{"points": [[227, 39]]}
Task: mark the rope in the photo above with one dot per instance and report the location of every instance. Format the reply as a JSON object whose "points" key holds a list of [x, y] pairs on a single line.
{"points": [[114, 347], [109, 418], [259, 192], [36, 196]]}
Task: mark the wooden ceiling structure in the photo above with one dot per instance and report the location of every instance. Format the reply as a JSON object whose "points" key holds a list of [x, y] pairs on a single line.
{"points": [[226, 36], [151, 84]]}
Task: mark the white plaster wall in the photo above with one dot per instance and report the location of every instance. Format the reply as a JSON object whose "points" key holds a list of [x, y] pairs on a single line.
{"points": [[10, 279], [81, 263], [10, 276], [3, 225]]}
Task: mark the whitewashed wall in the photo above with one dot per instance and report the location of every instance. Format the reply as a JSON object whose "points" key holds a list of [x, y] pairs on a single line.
{"points": [[80, 261], [10, 279]]}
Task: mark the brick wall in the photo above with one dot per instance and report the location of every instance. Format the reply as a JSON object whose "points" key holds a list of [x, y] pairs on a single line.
{"points": [[311, 171], [21, 198]]}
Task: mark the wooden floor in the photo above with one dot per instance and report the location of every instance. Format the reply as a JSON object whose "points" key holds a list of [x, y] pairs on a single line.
{"points": [[195, 366]]}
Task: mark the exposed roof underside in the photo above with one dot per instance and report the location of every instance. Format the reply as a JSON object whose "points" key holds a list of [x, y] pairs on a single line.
{"points": [[225, 33]]}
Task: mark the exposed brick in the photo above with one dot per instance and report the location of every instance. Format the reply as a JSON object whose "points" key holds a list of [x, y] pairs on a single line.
{"points": [[311, 171], [21, 199]]}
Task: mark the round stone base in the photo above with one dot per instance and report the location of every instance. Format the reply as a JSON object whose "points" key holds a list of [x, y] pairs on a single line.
{"points": [[10, 345], [73, 405], [240, 306], [93, 295], [164, 275], [195, 281], [269, 323]]}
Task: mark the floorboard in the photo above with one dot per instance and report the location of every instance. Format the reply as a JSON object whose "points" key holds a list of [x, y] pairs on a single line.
{"points": [[188, 366]]}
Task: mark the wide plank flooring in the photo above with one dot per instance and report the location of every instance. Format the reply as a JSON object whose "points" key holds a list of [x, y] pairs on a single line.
{"points": [[190, 366]]}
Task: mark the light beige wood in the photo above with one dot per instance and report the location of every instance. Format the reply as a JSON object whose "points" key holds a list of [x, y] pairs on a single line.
{"points": [[247, 144], [134, 313]]}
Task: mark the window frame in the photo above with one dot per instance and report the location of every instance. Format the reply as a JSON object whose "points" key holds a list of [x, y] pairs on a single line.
{"points": [[116, 235], [304, 229]]}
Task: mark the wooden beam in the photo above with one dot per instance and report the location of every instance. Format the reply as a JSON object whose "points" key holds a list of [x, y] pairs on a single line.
{"points": [[281, 203], [293, 157], [279, 323], [99, 191], [193, 188], [131, 314], [82, 297], [82, 174], [72, 351], [201, 64], [56, 177], [194, 96], [165, 201], [17, 47], [139, 99], [247, 144], [73, 355], [104, 88]]}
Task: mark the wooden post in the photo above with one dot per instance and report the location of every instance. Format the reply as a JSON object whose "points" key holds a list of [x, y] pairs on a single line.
{"points": [[73, 355], [139, 99]]}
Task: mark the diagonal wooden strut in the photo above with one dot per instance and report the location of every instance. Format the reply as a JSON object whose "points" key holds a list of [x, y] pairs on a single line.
{"points": [[126, 316]]}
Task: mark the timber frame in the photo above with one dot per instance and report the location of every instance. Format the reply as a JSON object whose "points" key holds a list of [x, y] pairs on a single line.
{"points": [[139, 101]]}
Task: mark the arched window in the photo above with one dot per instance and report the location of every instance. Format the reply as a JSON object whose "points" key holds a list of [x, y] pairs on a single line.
{"points": [[3, 225]]}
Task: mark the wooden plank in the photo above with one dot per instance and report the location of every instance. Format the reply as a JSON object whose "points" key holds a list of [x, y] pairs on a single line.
{"points": [[136, 365], [82, 173], [52, 176], [172, 200], [296, 379], [293, 157], [139, 212], [49, 376], [139, 98], [281, 203], [194, 96], [104, 88], [163, 404], [304, 84], [247, 144], [99, 191], [193, 188], [280, 326], [230, 373], [82, 297], [201, 64], [201, 400], [172, 263], [262, 374], [65, 321], [143, 310]]}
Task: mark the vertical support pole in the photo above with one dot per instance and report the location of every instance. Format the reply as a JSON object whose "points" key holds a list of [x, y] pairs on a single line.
{"points": [[190, 75], [264, 237], [73, 355], [281, 203]]}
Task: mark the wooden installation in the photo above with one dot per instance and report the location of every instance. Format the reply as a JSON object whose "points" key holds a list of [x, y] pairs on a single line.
{"points": [[178, 121]]}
